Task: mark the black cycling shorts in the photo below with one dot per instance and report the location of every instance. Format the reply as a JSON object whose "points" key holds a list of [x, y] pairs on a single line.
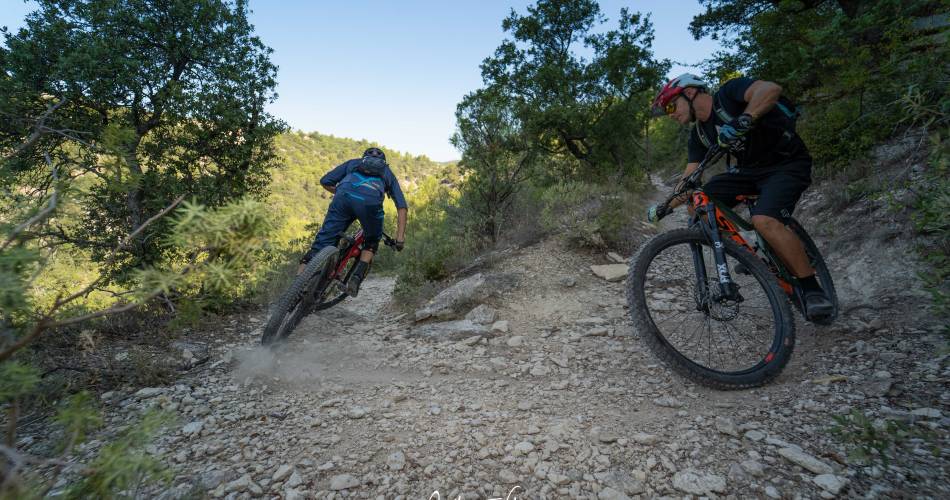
{"points": [[779, 187]]}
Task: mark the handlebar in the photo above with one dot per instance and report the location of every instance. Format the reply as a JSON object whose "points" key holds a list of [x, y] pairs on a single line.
{"points": [[714, 154], [390, 242]]}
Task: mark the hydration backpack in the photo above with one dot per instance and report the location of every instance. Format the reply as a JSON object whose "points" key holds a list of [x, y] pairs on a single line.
{"points": [[372, 166]]}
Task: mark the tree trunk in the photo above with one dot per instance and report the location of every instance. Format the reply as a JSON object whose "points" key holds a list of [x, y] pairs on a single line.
{"points": [[13, 414], [134, 200]]}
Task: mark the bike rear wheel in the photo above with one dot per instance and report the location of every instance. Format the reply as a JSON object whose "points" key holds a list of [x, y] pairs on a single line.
{"points": [[716, 342], [821, 269], [299, 298]]}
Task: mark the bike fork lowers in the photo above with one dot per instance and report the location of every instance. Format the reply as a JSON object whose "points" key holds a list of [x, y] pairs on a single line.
{"points": [[727, 288]]}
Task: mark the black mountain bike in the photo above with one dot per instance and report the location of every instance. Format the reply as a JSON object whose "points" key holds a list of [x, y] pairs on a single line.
{"points": [[712, 305], [322, 284]]}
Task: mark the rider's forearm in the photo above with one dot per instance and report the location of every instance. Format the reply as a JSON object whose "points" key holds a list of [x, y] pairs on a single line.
{"points": [[329, 188], [761, 96], [679, 200], [402, 214]]}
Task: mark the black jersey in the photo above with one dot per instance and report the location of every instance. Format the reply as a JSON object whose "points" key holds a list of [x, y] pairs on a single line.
{"points": [[771, 141]]}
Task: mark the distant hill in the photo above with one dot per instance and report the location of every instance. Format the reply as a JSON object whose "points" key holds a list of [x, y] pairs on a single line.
{"points": [[296, 195]]}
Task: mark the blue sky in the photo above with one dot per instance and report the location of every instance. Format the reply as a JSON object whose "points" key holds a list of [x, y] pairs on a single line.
{"points": [[393, 71]]}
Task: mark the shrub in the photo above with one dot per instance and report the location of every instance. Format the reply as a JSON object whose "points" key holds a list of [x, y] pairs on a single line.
{"points": [[930, 218], [591, 215], [870, 441]]}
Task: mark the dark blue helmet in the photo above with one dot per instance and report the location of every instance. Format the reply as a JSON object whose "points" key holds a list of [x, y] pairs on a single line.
{"points": [[373, 163], [374, 153]]}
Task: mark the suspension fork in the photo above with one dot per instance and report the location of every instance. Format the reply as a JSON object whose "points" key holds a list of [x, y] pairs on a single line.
{"points": [[727, 288], [702, 280]]}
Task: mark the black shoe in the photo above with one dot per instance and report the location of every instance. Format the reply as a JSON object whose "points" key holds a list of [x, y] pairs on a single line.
{"points": [[356, 279], [817, 305], [353, 285]]}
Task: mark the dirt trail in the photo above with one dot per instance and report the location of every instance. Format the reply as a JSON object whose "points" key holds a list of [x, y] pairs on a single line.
{"points": [[566, 404]]}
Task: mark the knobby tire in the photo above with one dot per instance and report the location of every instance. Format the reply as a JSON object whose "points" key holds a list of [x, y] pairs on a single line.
{"points": [[783, 326], [297, 301]]}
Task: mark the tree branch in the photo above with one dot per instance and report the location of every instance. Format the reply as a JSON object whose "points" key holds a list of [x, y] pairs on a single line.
{"points": [[38, 130], [42, 214], [46, 322]]}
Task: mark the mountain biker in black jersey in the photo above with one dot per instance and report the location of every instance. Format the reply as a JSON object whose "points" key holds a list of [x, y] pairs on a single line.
{"points": [[358, 188], [756, 125]]}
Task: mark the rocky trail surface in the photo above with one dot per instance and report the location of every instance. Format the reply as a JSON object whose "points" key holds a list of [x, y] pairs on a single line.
{"points": [[525, 378], [544, 390]]}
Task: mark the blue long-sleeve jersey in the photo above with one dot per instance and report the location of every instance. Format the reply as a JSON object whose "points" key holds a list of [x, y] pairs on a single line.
{"points": [[366, 188]]}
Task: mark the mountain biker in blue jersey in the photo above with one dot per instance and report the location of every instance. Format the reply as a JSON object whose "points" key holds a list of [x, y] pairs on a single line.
{"points": [[358, 188], [756, 125]]}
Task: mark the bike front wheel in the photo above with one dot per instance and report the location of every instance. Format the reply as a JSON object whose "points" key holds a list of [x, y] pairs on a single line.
{"points": [[678, 310], [298, 299]]}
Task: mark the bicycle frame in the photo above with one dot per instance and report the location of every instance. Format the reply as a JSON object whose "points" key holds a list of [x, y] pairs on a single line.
{"points": [[354, 249], [726, 222], [717, 220]]}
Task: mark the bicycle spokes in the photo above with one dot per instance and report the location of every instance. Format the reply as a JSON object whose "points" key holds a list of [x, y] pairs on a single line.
{"points": [[726, 332]]}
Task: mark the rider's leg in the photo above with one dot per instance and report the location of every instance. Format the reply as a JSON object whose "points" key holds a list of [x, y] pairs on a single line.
{"points": [[371, 218], [338, 219], [785, 243], [780, 189], [727, 186]]}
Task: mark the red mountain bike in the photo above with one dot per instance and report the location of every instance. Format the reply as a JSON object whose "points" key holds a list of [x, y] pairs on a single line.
{"points": [[712, 305], [322, 284]]}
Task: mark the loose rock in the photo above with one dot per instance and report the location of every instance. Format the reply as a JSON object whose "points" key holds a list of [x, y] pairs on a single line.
{"points": [[698, 483]]}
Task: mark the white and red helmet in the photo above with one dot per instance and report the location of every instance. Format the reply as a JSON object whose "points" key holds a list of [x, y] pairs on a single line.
{"points": [[674, 88]]}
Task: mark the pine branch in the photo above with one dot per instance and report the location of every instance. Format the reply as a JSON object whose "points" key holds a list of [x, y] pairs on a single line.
{"points": [[42, 214], [46, 322]]}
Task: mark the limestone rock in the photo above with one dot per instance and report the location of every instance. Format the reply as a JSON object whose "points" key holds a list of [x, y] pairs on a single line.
{"points": [[698, 483], [149, 392], [482, 315], [446, 303], [193, 427], [343, 482], [282, 473], [805, 460], [396, 461], [611, 272], [831, 483], [515, 341], [450, 330], [726, 426]]}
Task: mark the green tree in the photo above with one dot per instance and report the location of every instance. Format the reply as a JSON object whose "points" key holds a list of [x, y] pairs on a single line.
{"points": [[592, 109], [497, 157], [127, 105], [849, 62]]}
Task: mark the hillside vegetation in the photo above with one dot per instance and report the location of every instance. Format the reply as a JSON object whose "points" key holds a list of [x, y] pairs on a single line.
{"points": [[296, 198], [541, 141], [145, 190]]}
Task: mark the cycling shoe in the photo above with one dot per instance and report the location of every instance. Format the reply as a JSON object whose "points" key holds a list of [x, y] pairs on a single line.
{"points": [[817, 305], [353, 285]]}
